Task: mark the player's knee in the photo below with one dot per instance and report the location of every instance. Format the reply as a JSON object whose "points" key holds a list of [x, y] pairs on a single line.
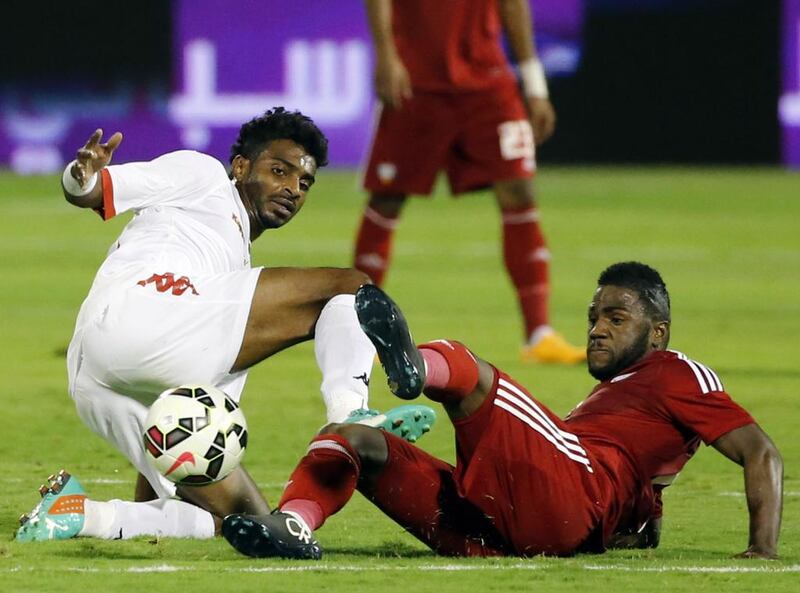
{"points": [[389, 205], [349, 280], [515, 193], [368, 442]]}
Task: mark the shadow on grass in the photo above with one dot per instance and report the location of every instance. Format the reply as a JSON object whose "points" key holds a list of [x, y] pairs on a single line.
{"points": [[383, 550], [662, 556]]}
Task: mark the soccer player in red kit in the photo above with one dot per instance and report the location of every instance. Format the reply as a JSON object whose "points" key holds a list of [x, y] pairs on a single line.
{"points": [[450, 101], [526, 482]]}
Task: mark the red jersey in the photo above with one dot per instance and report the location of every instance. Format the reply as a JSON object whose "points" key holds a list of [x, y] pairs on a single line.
{"points": [[450, 45], [651, 418]]}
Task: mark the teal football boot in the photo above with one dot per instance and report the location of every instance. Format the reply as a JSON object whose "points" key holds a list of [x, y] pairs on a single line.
{"points": [[408, 422], [59, 515]]}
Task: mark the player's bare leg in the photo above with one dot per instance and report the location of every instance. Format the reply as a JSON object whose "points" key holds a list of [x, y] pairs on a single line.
{"points": [[527, 263], [143, 491], [235, 493], [373, 247], [286, 306], [292, 305]]}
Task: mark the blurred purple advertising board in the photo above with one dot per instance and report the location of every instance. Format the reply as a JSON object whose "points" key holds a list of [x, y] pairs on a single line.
{"points": [[789, 107], [229, 66]]}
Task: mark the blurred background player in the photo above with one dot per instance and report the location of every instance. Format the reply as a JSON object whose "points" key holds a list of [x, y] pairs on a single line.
{"points": [[177, 301], [450, 100]]}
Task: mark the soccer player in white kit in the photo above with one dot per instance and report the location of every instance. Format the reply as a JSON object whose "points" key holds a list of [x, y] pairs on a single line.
{"points": [[177, 301]]}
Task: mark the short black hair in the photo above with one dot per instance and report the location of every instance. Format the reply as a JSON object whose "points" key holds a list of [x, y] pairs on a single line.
{"points": [[279, 124], [646, 281]]}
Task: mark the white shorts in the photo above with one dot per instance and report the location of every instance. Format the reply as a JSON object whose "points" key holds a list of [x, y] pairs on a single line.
{"points": [[134, 341]]}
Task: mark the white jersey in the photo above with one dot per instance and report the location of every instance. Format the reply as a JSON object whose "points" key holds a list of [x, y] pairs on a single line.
{"points": [[188, 217], [183, 259], [170, 303]]}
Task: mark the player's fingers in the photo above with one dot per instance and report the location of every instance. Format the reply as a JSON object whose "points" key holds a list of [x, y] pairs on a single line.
{"points": [[78, 172], [94, 138], [383, 88], [113, 142], [406, 92], [548, 128], [542, 129], [86, 154], [391, 96], [397, 96], [405, 86]]}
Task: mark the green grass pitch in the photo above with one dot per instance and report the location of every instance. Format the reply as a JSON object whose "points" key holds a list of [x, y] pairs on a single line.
{"points": [[726, 241]]}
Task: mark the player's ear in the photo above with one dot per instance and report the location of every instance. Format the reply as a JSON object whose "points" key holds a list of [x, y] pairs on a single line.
{"points": [[660, 335], [240, 167]]}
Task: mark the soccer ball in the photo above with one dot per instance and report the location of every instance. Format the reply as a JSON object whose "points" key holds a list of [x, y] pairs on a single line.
{"points": [[195, 434]]}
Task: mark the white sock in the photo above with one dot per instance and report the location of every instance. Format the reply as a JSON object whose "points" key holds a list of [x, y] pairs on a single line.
{"points": [[345, 356], [539, 333], [165, 517]]}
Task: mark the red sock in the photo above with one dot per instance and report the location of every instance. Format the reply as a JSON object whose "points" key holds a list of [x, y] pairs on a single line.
{"points": [[459, 378], [526, 257], [374, 244], [323, 481]]}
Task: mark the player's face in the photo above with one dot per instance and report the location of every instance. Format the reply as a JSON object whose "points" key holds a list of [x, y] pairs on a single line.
{"points": [[274, 186], [620, 331]]}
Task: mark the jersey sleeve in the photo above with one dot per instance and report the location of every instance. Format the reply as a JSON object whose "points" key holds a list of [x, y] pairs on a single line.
{"points": [[174, 179], [695, 398]]}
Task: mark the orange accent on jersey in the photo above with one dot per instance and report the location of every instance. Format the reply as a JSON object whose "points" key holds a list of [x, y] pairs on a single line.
{"points": [[72, 503], [107, 210]]}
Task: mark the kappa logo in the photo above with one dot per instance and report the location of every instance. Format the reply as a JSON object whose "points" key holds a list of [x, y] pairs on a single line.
{"points": [[185, 457], [363, 378], [167, 281]]}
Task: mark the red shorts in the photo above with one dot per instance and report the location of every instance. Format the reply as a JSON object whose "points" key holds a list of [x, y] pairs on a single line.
{"points": [[523, 485], [478, 138]]}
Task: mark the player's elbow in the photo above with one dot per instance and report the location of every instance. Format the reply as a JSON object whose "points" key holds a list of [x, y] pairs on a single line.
{"points": [[74, 200], [766, 456], [767, 451]]}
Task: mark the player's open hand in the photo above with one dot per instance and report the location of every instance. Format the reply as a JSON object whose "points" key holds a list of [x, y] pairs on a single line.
{"points": [[94, 156], [392, 82], [543, 118]]}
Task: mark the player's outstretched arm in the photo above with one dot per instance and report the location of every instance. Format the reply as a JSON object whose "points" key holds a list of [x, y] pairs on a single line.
{"points": [[392, 81], [516, 17], [750, 447], [80, 180]]}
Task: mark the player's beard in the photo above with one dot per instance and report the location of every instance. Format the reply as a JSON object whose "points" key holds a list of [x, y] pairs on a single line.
{"points": [[628, 357]]}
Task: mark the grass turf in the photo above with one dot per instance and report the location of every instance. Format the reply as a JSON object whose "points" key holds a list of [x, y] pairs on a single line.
{"points": [[726, 241]]}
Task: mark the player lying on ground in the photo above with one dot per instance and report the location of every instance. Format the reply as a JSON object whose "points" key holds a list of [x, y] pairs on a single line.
{"points": [[176, 301], [525, 481]]}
